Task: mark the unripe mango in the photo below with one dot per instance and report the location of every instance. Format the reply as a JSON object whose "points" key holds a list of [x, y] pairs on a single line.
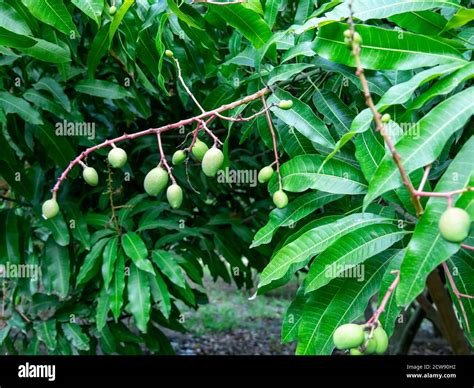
{"points": [[174, 194], [265, 174], [212, 161], [371, 344], [117, 157], [169, 53], [178, 157], [112, 9], [454, 224], [280, 199], [355, 352], [380, 335], [155, 181], [199, 149], [285, 104], [90, 176], [386, 118], [50, 208], [348, 336]]}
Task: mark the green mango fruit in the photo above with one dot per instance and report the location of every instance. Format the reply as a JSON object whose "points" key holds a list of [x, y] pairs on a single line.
{"points": [[265, 174], [199, 149], [355, 352], [349, 336], [212, 161], [285, 104], [371, 344], [112, 9], [117, 157], [280, 199], [155, 181], [169, 53], [90, 176], [50, 208], [454, 224], [178, 157], [386, 118], [381, 337], [174, 194]]}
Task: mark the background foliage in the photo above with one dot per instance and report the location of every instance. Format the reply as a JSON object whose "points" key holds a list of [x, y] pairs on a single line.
{"points": [[111, 288]]}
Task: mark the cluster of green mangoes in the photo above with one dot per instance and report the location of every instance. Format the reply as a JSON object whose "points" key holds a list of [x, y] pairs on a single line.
{"points": [[358, 341], [157, 179]]}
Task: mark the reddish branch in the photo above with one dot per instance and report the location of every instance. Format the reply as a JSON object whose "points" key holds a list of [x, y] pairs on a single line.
{"points": [[165, 128], [275, 148], [374, 320], [163, 160]]}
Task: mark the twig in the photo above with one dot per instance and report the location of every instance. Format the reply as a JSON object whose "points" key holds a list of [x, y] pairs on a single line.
{"points": [[163, 160], [275, 149], [425, 177], [111, 198]]}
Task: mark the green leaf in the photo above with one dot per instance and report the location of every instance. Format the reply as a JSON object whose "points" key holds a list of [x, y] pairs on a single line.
{"points": [[12, 104], [103, 308], [189, 20], [340, 302], [10, 39], [349, 251], [56, 90], [376, 9], [332, 107], [292, 318], [462, 271], [139, 297], [74, 334], [297, 253], [58, 147], [166, 262], [12, 20], [308, 172], [78, 225], [302, 118], [104, 89], [383, 50], [444, 86], [97, 50], [53, 13], [46, 332], [422, 22], [117, 286], [56, 263], [432, 132], [460, 18], [91, 263], [108, 260], [43, 102], [295, 211], [246, 21], [160, 293], [369, 153], [58, 228], [136, 249], [92, 8], [286, 72], [48, 52], [427, 249], [399, 94], [272, 7], [303, 49], [118, 17]]}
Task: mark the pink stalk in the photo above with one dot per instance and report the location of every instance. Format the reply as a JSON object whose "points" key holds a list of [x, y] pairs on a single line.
{"points": [[272, 131], [163, 160]]}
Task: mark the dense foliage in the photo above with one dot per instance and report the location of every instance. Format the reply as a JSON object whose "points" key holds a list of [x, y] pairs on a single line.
{"points": [[116, 264]]}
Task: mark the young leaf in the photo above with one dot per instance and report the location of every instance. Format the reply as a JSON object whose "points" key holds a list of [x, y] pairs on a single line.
{"points": [[139, 297]]}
